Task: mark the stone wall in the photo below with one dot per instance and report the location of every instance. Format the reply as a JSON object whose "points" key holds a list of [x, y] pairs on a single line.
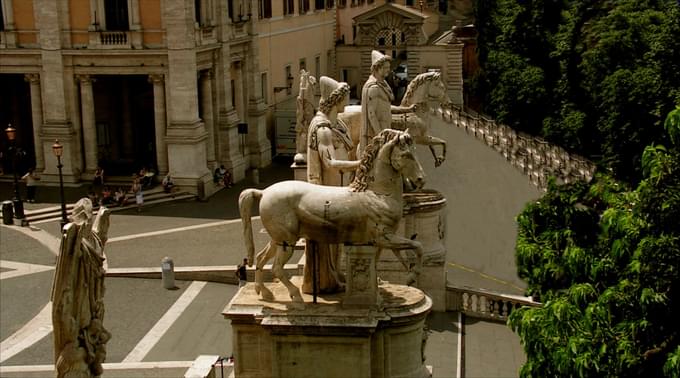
{"points": [[534, 156]]}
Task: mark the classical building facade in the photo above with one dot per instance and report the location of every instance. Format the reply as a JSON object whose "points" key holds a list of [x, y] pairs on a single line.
{"points": [[131, 83], [182, 86]]}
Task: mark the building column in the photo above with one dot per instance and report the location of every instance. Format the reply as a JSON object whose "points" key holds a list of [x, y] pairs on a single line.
{"points": [[37, 117], [208, 118], [88, 122], [159, 122]]}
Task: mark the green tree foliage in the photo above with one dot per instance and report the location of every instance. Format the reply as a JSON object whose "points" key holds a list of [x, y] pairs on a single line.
{"points": [[604, 259], [596, 77]]}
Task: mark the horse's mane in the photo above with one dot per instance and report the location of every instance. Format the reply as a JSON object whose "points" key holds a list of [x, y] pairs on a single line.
{"points": [[360, 182], [416, 83]]}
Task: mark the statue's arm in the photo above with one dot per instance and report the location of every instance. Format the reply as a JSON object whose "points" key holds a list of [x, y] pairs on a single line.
{"points": [[327, 152], [394, 109]]}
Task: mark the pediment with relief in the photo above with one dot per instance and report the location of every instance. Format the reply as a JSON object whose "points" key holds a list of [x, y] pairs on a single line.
{"points": [[390, 16]]}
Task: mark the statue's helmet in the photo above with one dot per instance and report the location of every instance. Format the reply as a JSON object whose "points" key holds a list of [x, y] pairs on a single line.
{"points": [[378, 58], [332, 92], [82, 211]]}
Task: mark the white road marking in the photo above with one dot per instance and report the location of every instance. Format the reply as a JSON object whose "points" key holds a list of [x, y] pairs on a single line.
{"points": [[164, 323], [173, 230], [42, 236], [21, 269], [106, 365], [32, 332]]}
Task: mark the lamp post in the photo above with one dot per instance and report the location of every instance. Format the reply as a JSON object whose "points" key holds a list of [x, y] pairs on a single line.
{"points": [[18, 204], [58, 150]]}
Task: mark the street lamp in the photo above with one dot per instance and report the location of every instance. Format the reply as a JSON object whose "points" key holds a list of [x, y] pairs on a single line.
{"points": [[58, 150], [18, 204]]}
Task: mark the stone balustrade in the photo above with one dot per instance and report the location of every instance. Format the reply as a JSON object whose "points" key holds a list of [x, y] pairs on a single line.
{"points": [[206, 35], [534, 156], [114, 38], [485, 304]]}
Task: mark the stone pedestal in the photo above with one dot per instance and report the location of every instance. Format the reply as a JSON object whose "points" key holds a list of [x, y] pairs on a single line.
{"points": [[299, 171], [425, 217], [282, 339], [361, 281]]}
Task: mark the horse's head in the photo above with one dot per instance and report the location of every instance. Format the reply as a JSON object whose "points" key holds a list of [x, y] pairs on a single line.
{"points": [[427, 87], [403, 160]]}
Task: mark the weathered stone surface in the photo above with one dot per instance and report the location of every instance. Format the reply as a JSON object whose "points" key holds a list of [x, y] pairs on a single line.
{"points": [[281, 338]]}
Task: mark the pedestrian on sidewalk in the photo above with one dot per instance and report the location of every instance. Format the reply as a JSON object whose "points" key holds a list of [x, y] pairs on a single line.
{"points": [[136, 189], [241, 273], [31, 184]]}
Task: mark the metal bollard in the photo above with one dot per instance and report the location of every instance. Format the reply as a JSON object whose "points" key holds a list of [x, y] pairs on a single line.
{"points": [[168, 273]]}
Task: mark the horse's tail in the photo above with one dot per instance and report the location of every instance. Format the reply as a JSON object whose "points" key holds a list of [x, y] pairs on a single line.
{"points": [[245, 207]]}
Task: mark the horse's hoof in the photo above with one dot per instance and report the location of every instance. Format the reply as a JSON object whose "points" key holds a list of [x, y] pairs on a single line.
{"points": [[411, 279], [267, 295], [297, 298]]}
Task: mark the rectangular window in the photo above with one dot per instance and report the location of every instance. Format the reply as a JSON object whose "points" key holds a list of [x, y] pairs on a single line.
{"points": [[116, 13], [409, 3], [288, 7], [329, 62], [330, 4], [233, 94], [263, 84], [342, 3], [303, 64], [265, 9], [197, 12], [319, 4], [289, 74]]}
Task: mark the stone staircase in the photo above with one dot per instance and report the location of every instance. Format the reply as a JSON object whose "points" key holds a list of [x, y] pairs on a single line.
{"points": [[153, 196]]}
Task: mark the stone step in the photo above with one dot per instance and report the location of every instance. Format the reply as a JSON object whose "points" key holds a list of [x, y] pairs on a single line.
{"points": [[152, 196]]}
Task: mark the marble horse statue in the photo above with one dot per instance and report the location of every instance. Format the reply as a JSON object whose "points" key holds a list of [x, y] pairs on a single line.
{"points": [[427, 91], [367, 212]]}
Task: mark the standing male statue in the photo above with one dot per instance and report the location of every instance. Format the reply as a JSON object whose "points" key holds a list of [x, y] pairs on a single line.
{"points": [[306, 107], [78, 294], [376, 101], [328, 149]]}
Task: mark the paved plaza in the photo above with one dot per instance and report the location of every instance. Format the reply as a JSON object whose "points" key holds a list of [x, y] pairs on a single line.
{"points": [[159, 332]]}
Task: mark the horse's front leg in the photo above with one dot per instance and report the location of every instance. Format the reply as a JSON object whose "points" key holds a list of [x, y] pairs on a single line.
{"points": [[438, 160], [279, 272], [396, 242]]}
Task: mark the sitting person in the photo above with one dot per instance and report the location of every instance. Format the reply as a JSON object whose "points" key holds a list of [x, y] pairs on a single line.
{"points": [[167, 183], [107, 196], [218, 176], [120, 197], [146, 177]]}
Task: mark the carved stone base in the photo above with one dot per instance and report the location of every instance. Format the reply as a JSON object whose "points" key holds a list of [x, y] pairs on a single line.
{"points": [[299, 171], [361, 281], [282, 339]]}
